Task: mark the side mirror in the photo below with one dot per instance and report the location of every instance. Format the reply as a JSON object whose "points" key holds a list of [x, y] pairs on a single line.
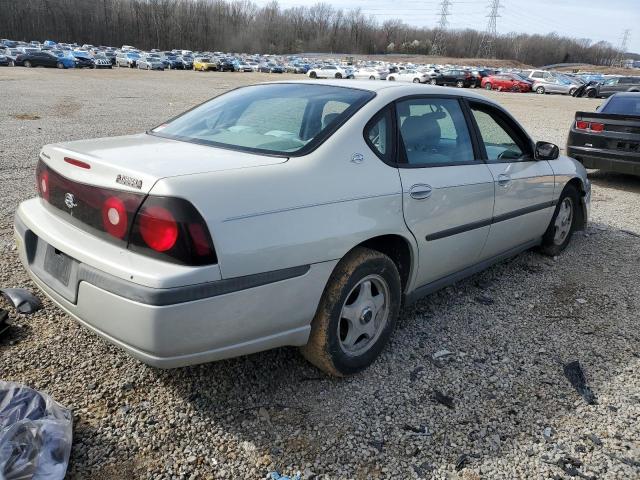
{"points": [[547, 151]]}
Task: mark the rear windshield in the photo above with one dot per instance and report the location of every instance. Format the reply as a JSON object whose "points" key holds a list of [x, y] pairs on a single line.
{"points": [[280, 119], [623, 105]]}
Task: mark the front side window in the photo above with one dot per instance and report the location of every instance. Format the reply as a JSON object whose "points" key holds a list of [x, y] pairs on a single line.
{"points": [[434, 132], [500, 141], [611, 81], [272, 118]]}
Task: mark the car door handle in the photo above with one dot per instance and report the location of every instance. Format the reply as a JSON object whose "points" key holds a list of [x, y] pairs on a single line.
{"points": [[504, 179], [420, 192]]}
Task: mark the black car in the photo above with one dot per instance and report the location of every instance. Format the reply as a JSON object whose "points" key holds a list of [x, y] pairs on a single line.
{"points": [[172, 62], [226, 65], [83, 61], [609, 139], [613, 85], [458, 78], [4, 60], [37, 59]]}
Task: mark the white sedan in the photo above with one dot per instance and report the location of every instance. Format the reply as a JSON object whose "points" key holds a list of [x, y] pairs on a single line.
{"points": [[368, 74], [230, 229], [328, 71], [411, 75]]}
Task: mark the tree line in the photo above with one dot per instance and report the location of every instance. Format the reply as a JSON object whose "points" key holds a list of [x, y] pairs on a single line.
{"points": [[243, 26]]}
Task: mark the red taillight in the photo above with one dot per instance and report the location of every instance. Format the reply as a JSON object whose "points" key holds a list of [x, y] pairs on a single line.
{"points": [[114, 217], [199, 239], [77, 163], [591, 126], [158, 228], [43, 184]]}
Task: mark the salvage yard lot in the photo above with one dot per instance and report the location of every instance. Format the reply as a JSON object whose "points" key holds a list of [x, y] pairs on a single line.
{"points": [[507, 332]]}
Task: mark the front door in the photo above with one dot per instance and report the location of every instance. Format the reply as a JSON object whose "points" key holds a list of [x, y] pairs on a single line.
{"points": [[448, 192], [523, 186]]}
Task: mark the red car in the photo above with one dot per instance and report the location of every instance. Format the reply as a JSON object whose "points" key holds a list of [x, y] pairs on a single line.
{"points": [[505, 83]]}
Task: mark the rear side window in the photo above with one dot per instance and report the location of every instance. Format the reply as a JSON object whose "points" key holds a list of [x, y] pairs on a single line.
{"points": [[279, 119], [623, 105], [379, 135], [434, 132]]}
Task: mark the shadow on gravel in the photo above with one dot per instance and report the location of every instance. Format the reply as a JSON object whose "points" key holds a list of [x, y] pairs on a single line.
{"points": [[504, 376], [619, 181]]}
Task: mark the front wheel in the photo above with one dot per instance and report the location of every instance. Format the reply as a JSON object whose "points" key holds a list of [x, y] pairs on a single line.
{"points": [[59, 65], [540, 90], [356, 314], [338, 75], [433, 81], [416, 80], [488, 86], [460, 84], [572, 91], [27, 64], [563, 222], [313, 75], [372, 77]]}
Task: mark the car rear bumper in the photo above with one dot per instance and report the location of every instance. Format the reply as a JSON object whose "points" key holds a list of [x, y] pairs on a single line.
{"points": [[614, 161], [237, 320]]}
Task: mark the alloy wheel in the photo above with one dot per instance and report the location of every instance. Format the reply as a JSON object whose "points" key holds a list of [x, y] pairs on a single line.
{"points": [[563, 221], [364, 315]]}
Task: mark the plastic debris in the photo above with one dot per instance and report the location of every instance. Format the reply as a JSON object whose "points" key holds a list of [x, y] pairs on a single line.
{"points": [[277, 476], [574, 373], [441, 353], [22, 299], [35, 434], [462, 461], [484, 300], [443, 399], [4, 316]]}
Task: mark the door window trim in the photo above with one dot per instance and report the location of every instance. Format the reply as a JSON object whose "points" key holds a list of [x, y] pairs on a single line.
{"points": [[510, 126], [390, 158]]}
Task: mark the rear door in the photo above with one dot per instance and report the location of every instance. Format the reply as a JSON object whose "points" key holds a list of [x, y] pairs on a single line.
{"points": [[524, 200], [448, 191]]}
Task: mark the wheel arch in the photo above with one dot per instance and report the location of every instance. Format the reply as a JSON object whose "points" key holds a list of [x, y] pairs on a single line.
{"points": [[581, 213], [400, 250]]}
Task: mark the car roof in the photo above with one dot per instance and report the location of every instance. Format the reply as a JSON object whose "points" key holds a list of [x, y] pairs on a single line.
{"points": [[626, 94], [402, 88]]}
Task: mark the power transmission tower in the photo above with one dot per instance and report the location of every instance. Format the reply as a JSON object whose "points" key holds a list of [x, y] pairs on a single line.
{"points": [[438, 47], [487, 47], [622, 50]]}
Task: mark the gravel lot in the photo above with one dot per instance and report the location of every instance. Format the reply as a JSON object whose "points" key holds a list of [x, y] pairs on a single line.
{"points": [[514, 414]]}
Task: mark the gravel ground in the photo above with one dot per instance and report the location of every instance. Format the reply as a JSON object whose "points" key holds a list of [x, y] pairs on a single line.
{"points": [[507, 331]]}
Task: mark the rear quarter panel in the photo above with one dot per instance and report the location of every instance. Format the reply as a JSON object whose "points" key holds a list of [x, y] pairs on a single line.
{"points": [[306, 210]]}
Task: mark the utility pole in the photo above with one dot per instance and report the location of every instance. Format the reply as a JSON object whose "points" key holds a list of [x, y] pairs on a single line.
{"points": [[487, 47], [438, 49], [622, 50]]}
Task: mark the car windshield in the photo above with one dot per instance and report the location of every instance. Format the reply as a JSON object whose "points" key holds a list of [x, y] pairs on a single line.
{"points": [[133, 55], [274, 118], [623, 105]]}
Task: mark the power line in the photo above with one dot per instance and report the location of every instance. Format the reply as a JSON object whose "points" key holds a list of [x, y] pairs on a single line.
{"points": [[487, 47], [438, 48]]}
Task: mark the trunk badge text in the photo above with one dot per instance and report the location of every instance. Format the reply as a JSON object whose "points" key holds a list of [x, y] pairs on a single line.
{"points": [[70, 200], [129, 181]]}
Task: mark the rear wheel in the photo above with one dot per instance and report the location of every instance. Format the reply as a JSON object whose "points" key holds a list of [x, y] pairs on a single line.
{"points": [[563, 222], [313, 75], [460, 84], [540, 90], [433, 81], [338, 75], [572, 91], [416, 80], [356, 314], [392, 79], [591, 94], [27, 64], [488, 86], [372, 77], [59, 65]]}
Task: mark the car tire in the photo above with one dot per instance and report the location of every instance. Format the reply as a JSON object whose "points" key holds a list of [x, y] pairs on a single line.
{"points": [[460, 84], [433, 81], [12, 63], [563, 222], [336, 345], [540, 90], [416, 80], [27, 64], [572, 91], [338, 75], [488, 86], [591, 94], [59, 65], [313, 75], [372, 77], [391, 79]]}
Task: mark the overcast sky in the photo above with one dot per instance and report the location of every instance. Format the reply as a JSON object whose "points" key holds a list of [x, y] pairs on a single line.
{"points": [[594, 19]]}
